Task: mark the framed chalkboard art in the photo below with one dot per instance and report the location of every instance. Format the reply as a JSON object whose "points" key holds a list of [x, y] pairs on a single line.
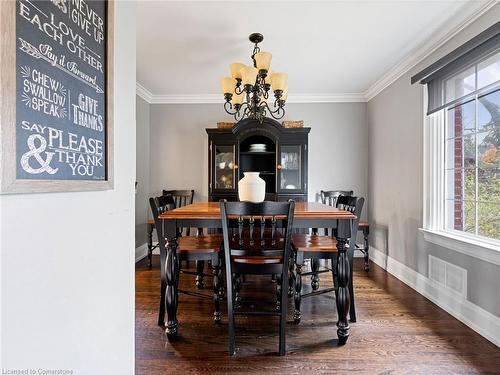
{"points": [[56, 95]]}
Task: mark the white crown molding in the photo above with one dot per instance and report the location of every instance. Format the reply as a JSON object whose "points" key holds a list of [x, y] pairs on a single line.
{"points": [[466, 16], [326, 98], [143, 92], [151, 98]]}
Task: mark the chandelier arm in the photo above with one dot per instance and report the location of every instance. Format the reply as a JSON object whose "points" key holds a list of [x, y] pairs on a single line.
{"points": [[278, 113], [228, 108]]}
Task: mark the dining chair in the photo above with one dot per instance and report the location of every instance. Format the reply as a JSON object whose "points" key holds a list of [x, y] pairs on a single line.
{"points": [[257, 242], [328, 197], [183, 198], [201, 247], [324, 247]]}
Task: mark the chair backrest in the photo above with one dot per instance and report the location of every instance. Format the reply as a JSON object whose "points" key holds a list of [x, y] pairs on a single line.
{"points": [[354, 205], [330, 196], [262, 230], [158, 206], [181, 197]]}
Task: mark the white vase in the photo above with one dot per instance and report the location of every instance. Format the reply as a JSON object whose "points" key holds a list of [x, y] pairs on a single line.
{"points": [[252, 188]]}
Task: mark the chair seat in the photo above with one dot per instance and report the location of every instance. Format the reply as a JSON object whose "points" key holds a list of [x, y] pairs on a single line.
{"points": [[199, 244], [314, 243], [363, 224]]}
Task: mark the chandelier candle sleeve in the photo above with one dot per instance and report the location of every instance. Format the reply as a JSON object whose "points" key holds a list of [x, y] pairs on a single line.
{"points": [[227, 85], [279, 81], [249, 75], [235, 69], [263, 60], [238, 98]]}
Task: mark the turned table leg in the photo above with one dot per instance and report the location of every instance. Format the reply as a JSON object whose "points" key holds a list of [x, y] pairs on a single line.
{"points": [[172, 280], [343, 276]]}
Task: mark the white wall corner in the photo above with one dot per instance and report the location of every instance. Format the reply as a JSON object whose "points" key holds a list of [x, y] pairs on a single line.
{"points": [[478, 319], [471, 12]]}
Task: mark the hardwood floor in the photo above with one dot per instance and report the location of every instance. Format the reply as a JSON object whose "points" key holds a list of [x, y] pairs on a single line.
{"points": [[398, 332]]}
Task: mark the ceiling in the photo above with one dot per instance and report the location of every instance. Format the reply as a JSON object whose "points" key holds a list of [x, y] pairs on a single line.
{"points": [[327, 47]]}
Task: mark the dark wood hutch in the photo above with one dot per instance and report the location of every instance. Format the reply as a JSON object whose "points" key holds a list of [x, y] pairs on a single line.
{"points": [[282, 162]]}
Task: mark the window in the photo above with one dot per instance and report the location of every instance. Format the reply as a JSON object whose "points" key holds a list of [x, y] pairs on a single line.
{"points": [[461, 138], [472, 166]]}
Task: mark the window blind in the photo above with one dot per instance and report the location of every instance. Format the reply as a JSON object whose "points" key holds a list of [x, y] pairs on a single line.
{"points": [[462, 72]]}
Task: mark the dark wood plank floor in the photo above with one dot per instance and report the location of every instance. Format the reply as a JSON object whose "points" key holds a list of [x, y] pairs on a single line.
{"points": [[398, 332]]}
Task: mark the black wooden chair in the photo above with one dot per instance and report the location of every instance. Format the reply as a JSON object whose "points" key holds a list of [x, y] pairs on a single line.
{"points": [[189, 248], [259, 246], [324, 247], [183, 198], [180, 198], [328, 197]]}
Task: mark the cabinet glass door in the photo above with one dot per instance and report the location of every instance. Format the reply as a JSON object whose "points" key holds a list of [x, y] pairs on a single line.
{"points": [[291, 167], [225, 167]]}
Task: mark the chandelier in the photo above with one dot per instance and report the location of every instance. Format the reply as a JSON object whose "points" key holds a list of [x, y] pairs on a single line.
{"points": [[246, 92]]}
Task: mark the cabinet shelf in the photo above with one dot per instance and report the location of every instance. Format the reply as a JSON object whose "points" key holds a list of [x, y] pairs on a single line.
{"points": [[257, 153]]}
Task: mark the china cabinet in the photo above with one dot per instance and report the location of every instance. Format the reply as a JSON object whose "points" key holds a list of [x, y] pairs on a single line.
{"points": [[278, 153]]}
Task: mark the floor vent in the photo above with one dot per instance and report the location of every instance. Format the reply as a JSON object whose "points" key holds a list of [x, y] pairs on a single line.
{"points": [[448, 275]]}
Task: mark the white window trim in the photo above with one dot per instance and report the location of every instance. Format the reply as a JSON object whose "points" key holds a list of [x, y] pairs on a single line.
{"points": [[433, 229]]}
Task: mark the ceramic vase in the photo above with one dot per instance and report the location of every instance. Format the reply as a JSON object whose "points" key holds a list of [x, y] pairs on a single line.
{"points": [[251, 188]]}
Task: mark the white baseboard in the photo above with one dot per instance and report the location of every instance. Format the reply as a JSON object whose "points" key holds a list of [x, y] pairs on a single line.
{"points": [[141, 252], [480, 320]]}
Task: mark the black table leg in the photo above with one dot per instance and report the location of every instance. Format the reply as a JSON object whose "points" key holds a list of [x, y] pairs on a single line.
{"points": [[150, 244], [343, 276], [172, 279]]}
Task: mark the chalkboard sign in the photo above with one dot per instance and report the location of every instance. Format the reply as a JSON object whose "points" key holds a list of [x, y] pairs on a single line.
{"points": [[62, 96]]}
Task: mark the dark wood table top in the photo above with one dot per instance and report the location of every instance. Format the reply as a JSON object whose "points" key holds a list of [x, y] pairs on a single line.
{"points": [[211, 210]]}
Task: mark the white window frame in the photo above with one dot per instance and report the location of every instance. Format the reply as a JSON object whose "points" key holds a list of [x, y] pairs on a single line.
{"points": [[434, 229]]}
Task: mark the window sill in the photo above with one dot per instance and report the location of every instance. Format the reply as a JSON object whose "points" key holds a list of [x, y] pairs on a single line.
{"points": [[485, 250]]}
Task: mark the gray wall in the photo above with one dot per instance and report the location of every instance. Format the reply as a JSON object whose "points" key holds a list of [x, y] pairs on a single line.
{"points": [[179, 145], [395, 122], [143, 169]]}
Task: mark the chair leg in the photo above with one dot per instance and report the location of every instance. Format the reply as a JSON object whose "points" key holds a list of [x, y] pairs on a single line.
{"points": [[291, 276], [230, 315], [298, 291], [200, 265], [366, 250], [150, 245], [237, 288], [279, 288], [217, 286], [283, 314], [315, 276], [221, 291]]}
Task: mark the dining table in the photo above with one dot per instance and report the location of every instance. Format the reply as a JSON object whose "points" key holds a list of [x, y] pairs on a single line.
{"points": [[207, 215]]}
